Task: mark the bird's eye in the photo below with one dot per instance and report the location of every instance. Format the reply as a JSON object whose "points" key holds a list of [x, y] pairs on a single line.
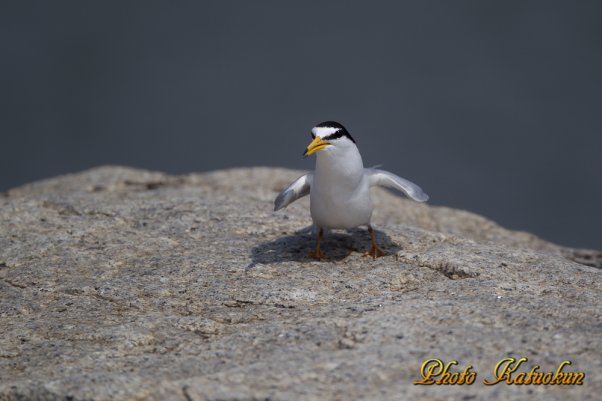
{"points": [[313, 135]]}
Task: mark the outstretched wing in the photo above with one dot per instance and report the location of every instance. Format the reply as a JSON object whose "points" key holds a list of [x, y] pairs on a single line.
{"points": [[297, 189], [390, 180]]}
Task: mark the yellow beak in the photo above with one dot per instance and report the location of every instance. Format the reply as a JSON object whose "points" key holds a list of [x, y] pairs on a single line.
{"points": [[315, 145]]}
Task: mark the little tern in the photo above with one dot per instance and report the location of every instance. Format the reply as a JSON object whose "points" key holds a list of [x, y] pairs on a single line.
{"points": [[339, 187]]}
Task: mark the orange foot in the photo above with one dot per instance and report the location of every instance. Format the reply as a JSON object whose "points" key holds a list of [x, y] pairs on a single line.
{"points": [[375, 252], [317, 254]]}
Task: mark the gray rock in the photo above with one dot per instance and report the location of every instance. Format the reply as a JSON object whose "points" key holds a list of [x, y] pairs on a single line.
{"points": [[118, 283]]}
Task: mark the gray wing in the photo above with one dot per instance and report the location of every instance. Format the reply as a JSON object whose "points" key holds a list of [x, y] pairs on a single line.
{"points": [[297, 189], [390, 180]]}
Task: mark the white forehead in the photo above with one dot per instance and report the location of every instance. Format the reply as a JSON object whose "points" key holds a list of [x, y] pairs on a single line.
{"points": [[324, 131]]}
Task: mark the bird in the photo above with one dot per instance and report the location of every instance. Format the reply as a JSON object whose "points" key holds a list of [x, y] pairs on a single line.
{"points": [[339, 186]]}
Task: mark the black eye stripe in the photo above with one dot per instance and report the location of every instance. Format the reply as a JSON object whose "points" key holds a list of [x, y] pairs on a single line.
{"points": [[337, 135]]}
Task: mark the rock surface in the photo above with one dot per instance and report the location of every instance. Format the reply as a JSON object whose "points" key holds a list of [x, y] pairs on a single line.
{"points": [[118, 283]]}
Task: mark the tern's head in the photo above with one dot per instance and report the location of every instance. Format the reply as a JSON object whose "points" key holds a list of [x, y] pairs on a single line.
{"points": [[329, 134]]}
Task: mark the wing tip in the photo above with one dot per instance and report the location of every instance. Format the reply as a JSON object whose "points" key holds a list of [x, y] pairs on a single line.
{"points": [[280, 201], [422, 197]]}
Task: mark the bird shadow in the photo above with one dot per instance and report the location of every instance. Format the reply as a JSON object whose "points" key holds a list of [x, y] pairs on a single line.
{"points": [[336, 246]]}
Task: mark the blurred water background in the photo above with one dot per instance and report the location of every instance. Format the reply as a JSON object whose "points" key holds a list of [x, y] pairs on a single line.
{"points": [[493, 107]]}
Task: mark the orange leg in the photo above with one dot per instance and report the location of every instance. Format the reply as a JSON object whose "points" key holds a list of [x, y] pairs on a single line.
{"points": [[317, 254], [374, 251]]}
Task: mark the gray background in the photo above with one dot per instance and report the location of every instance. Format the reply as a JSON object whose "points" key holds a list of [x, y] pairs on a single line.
{"points": [[493, 107]]}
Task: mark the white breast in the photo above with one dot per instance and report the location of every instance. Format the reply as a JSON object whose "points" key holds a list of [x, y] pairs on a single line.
{"points": [[340, 195]]}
